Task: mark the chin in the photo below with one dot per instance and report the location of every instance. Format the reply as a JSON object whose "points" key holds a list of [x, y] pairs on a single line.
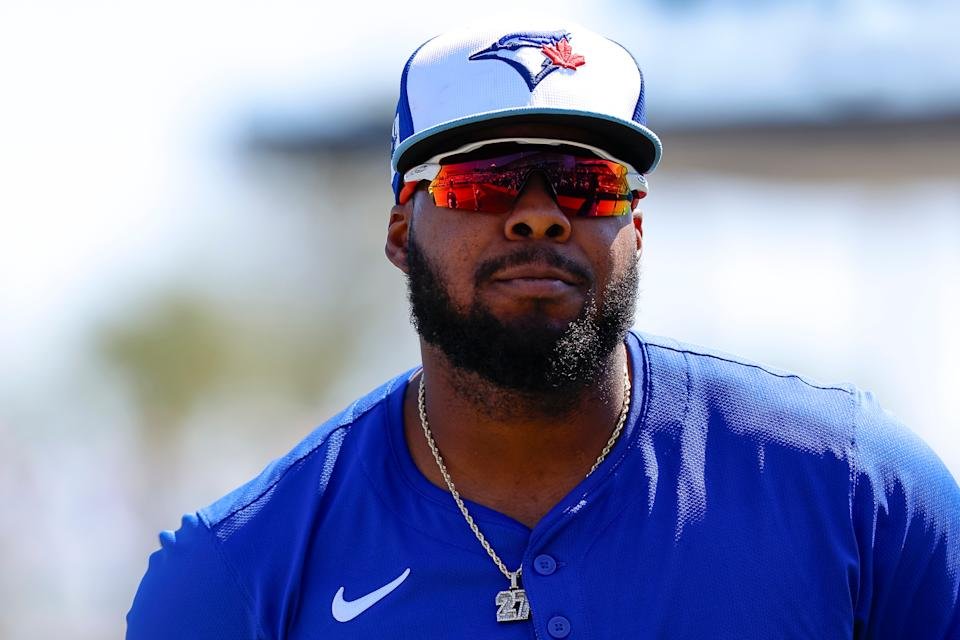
{"points": [[536, 312], [537, 320]]}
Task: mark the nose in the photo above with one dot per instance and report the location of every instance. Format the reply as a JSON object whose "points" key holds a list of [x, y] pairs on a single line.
{"points": [[535, 214]]}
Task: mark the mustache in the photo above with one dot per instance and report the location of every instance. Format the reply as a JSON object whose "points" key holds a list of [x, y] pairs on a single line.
{"points": [[533, 255]]}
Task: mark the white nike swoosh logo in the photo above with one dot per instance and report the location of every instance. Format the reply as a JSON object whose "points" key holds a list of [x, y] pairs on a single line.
{"points": [[345, 611]]}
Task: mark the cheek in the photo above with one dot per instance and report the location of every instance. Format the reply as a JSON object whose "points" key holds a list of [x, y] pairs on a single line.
{"points": [[451, 242], [614, 249], [625, 247], [458, 272]]}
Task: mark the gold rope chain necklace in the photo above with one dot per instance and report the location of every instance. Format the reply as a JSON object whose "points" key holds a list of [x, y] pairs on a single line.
{"points": [[512, 603]]}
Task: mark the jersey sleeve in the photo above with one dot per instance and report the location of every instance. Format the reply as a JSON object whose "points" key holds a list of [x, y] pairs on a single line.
{"points": [[189, 591], [906, 514]]}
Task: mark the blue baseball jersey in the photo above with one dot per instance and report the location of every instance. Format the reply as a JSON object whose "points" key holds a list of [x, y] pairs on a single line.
{"points": [[739, 502]]}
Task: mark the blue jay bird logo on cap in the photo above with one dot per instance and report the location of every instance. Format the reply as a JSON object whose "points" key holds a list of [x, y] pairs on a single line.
{"points": [[519, 51]]}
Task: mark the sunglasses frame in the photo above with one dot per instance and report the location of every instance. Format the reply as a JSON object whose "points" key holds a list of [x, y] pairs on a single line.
{"points": [[428, 171]]}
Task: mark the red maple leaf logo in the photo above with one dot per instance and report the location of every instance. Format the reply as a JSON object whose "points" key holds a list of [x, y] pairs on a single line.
{"points": [[562, 55]]}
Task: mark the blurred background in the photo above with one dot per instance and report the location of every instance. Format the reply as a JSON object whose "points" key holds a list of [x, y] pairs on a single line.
{"points": [[194, 197]]}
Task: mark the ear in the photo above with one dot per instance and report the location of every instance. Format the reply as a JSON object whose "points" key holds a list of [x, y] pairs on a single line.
{"points": [[638, 228], [398, 229]]}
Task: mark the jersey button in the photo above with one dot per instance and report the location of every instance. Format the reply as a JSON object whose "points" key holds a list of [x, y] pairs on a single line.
{"points": [[558, 627], [544, 564]]}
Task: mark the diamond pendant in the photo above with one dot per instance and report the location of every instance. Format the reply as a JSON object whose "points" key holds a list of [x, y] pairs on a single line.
{"points": [[512, 603], [513, 606]]}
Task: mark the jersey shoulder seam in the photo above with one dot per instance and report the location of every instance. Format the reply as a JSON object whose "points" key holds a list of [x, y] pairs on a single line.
{"points": [[273, 483], [342, 421], [752, 365]]}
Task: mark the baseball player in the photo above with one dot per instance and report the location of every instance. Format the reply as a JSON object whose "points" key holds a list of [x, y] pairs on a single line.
{"points": [[547, 472]]}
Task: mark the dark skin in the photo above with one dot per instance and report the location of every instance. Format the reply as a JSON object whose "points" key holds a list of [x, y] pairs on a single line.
{"points": [[516, 461]]}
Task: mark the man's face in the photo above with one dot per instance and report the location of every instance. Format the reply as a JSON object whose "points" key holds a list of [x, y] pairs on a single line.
{"points": [[530, 300]]}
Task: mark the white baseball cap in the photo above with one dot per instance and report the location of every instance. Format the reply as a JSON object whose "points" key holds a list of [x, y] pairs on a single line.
{"points": [[461, 87]]}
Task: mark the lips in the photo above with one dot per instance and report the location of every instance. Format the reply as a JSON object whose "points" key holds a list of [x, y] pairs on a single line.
{"points": [[536, 281], [533, 272]]}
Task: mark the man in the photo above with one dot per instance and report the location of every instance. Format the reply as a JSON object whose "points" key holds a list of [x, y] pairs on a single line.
{"points": [[547, 473]]}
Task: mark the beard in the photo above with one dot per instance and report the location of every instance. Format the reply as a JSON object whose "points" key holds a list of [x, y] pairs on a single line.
{"points": [[532, 355]]}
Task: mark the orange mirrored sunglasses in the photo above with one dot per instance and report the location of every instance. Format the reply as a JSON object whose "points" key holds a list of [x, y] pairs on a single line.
{"points": [[582, 186]]}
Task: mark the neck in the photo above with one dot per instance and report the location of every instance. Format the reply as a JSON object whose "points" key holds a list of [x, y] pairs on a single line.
{"points": [[518, 453]]}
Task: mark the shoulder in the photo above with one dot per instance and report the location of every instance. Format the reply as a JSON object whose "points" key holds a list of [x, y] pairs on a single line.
{"points": [[751, 399], [901, 485], [759, 398], [308, 466], [730, 370], [200, 583], [888, 453], [898, 499]]}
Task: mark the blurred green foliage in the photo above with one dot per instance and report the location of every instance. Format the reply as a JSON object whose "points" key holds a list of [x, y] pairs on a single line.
{"points": [[178, 352], [183, 349]]}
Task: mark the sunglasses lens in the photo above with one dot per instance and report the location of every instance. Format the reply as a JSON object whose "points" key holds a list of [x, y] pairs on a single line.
{"points": [[601, 207], [466, 195], [585, 187]]}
